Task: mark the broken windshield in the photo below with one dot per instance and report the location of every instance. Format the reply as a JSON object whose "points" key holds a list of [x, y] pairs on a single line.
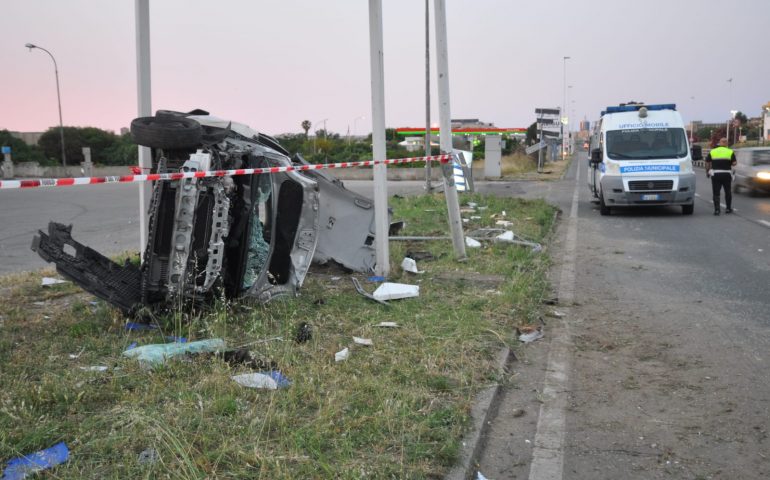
{"points": [[646, 144]]}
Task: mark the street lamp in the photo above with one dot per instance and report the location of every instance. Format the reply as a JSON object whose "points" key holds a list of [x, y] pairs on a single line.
{"points": [[355, 126], [564, 105], [58, 97]]}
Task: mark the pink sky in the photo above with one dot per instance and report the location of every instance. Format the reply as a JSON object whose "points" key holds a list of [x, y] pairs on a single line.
{"points": [[273, 64]]}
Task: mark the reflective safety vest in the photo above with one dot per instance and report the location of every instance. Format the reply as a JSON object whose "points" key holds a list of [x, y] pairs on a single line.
{"points": [[721, 159]]}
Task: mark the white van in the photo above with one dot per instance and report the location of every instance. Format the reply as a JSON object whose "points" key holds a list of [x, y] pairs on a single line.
{"points": [[640, 156]]}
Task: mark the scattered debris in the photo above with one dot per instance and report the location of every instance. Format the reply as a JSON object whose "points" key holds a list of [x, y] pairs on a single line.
{"points": [[475, 217], [24, 466], [363, 341], [504, 223], [39, 304], [519, 412], [243, 356], [409, 265], [531, 336], [557, 314], [75, 356], [156, 354], [271, 380], [472, 204], [480, 476], [366, 294], [172, 338], [148, 456], [48, 281], [375, 279], [396, 291], [472, 243], [303, 333], [95, 368], [387, 325], [342, 355], [420, 256], [551, 301]]}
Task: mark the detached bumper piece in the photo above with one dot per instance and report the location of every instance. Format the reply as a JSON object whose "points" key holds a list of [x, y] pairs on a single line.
{"points": [[95, 273]]}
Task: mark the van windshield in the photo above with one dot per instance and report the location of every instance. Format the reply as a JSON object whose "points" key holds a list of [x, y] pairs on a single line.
{"points": [[646, 144]]}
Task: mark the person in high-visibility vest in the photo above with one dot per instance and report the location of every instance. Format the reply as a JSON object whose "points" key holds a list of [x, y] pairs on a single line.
{"points": [[720, 166]]}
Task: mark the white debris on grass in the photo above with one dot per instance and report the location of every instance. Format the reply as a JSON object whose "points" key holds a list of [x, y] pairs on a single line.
{"points": [[472, 243], [363, 341], [531, 336], [48, 281], [387, 325], [95, 368], [409, 265], [396, 291], [504, 223], [256, 380], [342, 355]]}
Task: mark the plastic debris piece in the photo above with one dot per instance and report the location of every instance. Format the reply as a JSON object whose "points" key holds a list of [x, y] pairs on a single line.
{"points": [[133, 345], [172, 338], [156, 354], [480, 476], [472, 204], [472, 243], [75, 356], [148, 456], [39, 304], [557, 314], [48, 281], [334, 279], [396, 291], [271, 380], [465, 220], [140, 326], [376, 278], [363, 341], [366, 294], [409, 265], [95, 368], [531, 336], [24, 466], [504, 223], [342, 355], [387, 325], [475, 217]]}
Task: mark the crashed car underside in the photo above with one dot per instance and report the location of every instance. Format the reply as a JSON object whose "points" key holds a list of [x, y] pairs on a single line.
{"points": [[246, 236]]}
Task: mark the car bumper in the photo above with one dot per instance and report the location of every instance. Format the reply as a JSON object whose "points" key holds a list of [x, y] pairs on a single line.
{"points": [[616, 193]]}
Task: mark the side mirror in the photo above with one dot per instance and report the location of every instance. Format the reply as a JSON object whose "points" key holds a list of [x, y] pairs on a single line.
{"points": [[696, 152], [596, 156]]}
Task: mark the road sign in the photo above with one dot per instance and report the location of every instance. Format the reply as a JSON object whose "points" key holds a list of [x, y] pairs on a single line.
{"points": [[534, 148], [6, 149], [546, 133], [547, 111]]}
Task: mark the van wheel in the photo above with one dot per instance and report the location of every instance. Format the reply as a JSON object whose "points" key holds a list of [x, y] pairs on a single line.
{"points": [[603, 208], [688, 209]]}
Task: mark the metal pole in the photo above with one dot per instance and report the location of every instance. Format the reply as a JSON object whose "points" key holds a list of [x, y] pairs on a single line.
{"points": [[445, 132], [58, 100], [563, 105], [376, 58], [428, 186], [144, 107]]}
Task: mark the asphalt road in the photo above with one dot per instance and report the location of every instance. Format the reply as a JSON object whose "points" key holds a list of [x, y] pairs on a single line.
{"points": [[662, 358]]}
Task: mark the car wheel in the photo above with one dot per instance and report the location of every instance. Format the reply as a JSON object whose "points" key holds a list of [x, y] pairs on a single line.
{"points": [[603, 208], [166, 132], [688, 209]]}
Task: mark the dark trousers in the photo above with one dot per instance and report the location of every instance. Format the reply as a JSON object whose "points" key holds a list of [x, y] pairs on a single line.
{"points": [[719, 181]]}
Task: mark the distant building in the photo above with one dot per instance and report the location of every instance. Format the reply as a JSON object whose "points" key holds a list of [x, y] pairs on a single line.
{"points": [[766, 121], [30, 138], [470, 123]]}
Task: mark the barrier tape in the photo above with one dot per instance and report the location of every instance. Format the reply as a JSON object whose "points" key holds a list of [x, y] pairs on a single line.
{"points": [[152, 177]]}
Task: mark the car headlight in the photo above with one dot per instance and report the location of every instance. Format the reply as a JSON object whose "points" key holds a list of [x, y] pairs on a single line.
{"points": [[763, 175]]}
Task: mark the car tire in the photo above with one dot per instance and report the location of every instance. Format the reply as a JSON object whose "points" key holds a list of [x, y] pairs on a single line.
{"points": [[688, 209], [166, 132], [603, 208], [736, 187]]}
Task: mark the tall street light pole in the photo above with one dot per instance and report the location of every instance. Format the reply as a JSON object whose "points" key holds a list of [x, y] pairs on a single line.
{"points": [[315, 137], [58, 98], [564, 106], [428, 186]]}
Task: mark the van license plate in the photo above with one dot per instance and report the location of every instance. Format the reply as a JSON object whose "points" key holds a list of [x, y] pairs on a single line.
{"points": [[651, 197]]}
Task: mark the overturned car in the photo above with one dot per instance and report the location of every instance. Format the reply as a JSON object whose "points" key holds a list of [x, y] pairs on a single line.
{"points": [[245, 236]]}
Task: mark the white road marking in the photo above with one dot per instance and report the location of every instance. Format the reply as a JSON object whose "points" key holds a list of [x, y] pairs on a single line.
{"points": [[548, 449], [764, 222]]}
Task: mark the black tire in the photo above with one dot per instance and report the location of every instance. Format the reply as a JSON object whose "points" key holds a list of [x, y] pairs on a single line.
{"points": [[603, 208], [166, 132], [688, 209]]}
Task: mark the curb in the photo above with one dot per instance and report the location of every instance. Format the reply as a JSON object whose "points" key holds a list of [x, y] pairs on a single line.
{"points": [[484, 407]]}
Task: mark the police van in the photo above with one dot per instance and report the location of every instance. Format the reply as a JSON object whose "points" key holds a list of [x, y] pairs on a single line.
{"points": [[640, 156]]}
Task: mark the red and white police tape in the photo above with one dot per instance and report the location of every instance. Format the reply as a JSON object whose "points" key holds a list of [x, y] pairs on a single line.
{"points": [[66, 182]]}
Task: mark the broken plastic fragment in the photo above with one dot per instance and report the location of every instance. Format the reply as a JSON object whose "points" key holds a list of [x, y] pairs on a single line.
{"points": [[363, 341], [48, 281], [557, 314], [342, 355], [472, 204], [504, 223], [387, 325], [409, 265], [95, 368], [531, 336], [271, 380], [22, 467], [480, 476], [472, 243], [158, 353], [395, 291], [148, 456]]}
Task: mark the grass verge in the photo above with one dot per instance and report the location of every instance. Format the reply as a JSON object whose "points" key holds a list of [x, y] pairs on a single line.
{"points": [[397, 409]]}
